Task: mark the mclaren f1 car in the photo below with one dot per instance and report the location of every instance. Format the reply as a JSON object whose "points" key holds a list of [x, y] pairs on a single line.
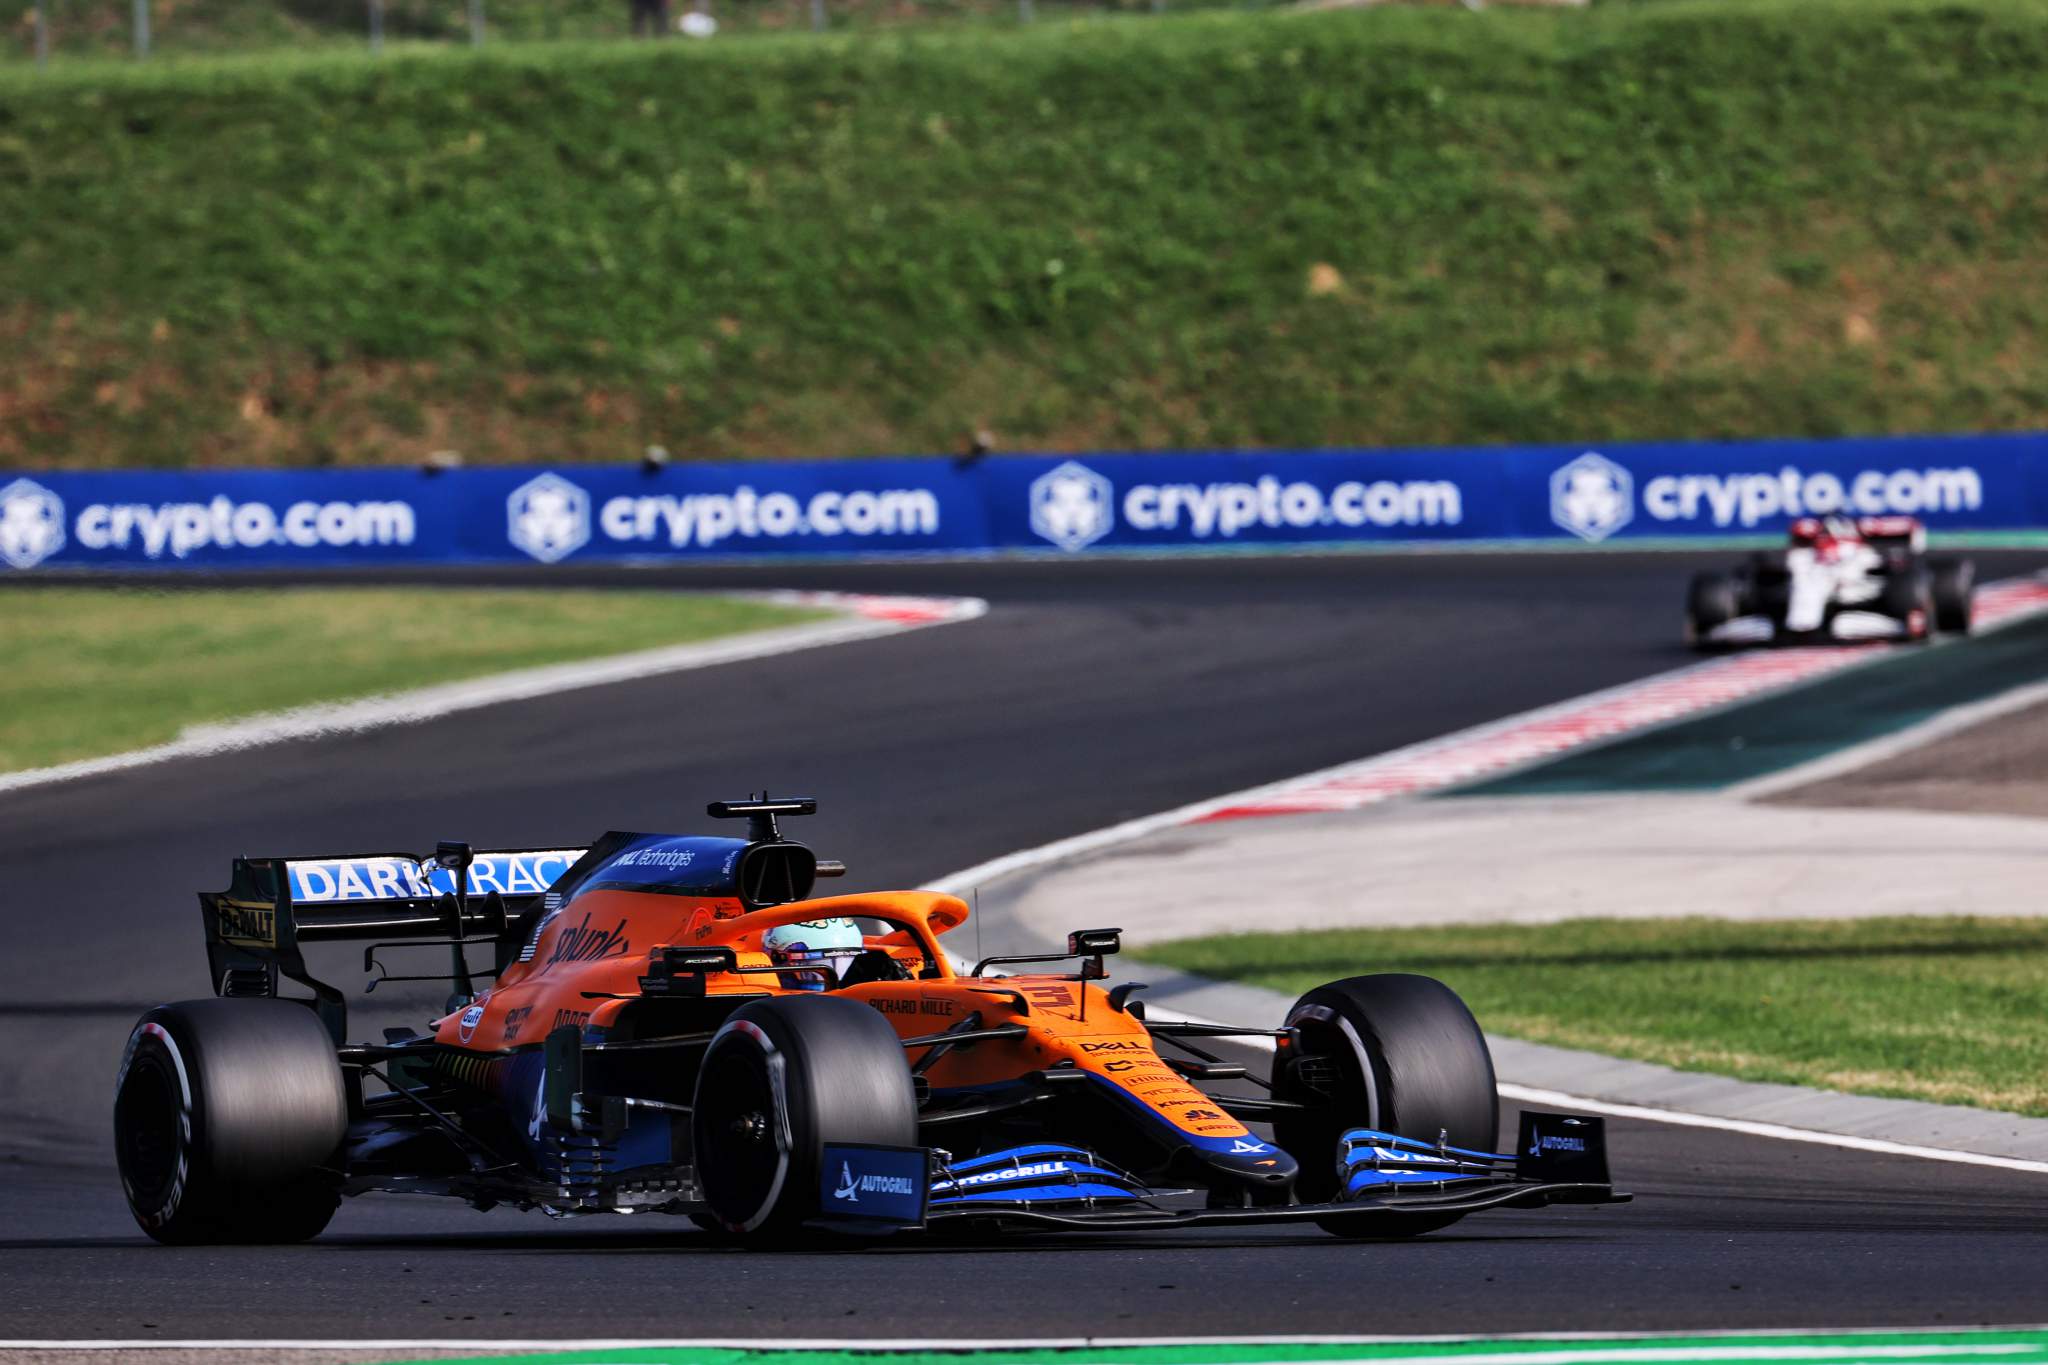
{"points": [[672, 1024], [1838, 578]]}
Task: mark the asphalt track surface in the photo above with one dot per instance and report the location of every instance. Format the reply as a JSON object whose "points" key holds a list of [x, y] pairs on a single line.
{"points": [[1091, 693]]}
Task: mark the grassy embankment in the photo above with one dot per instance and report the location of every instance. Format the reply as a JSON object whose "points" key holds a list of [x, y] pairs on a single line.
{"points": [[102, 28], [1698, 218], [99, 671], [1949, 1010]]}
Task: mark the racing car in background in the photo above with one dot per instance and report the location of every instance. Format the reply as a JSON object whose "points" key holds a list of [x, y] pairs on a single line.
{"points": [[1838, 578], [674, 1025]]}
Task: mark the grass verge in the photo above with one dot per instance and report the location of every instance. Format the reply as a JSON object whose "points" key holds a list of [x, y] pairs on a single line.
{"points": [[1698, 218], [98, 671], [183, 28], [1948, 1010]]}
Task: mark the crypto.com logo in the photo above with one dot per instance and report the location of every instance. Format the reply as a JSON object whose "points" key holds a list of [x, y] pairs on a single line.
{"points": [[1072, 506], [548, 518], [31, 524], [1592, 497]]}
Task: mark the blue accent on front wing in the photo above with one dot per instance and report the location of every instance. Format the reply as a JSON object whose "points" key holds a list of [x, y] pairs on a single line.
{"points": [[999, 1178], [1374, 1137], [1367, 1178], [1036, 1194], [1036, 1152], [1034, 1165]]}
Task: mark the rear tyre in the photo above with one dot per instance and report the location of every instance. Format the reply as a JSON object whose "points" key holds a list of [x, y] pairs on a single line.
{"points": [[228, 1122], [1713, 601], [1395, 1052], [1953, 583], [783, 1077]]}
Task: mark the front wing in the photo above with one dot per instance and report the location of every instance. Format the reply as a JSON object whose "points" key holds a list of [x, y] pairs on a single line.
{"points": [[1387, 1179], [1846, 627], [1387, 1211]]}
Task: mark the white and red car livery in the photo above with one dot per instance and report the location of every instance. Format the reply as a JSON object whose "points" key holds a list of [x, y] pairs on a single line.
{"points": [[1838, 578]]}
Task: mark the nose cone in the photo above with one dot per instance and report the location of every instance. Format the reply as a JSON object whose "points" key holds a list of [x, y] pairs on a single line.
{"points": [[1263, 1170]]}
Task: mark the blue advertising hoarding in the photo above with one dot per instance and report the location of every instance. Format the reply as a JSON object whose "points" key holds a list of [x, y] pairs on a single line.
{"points": [[1569, 494], [1051, 504]]}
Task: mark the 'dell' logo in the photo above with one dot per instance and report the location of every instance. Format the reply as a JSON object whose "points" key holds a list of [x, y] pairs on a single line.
{"points": [[31, 523]]}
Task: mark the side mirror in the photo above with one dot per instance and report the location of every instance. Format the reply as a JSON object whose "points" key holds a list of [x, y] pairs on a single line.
{"points": [[1094, 942], [681, 971], [453, 855], [1093, 945]]}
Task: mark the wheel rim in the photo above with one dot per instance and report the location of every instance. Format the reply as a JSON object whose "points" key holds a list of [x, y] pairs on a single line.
{"points": [[149, 1132], [1352, 1097], [739, 1155], [1346, 1100]]}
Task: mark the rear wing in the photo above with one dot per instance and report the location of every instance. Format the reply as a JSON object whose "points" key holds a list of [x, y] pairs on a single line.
{"points": [[1905, 534], [254, 929]]}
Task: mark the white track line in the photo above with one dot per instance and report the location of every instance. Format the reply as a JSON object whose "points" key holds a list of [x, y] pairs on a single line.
{"points": [[864, 1345], [1675, 1353], [960, 883], [863, 617], [2017, 600], [1558, 1099], [1685, 1353], [1604, 716], [1529, 1095], [2028, 598]]}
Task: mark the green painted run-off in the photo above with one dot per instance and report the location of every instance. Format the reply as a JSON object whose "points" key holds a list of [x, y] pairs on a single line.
{"points": [[2019, 1347], [1899, 690]]}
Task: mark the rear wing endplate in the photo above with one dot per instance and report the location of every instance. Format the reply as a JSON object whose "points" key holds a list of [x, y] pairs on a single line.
{"points": [[255, 927]]}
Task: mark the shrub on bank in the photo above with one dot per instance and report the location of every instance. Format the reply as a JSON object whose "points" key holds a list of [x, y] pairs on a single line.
{"points": [[1688, 219]]}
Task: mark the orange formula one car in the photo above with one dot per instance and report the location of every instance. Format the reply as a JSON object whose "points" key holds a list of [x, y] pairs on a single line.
{"points": [[674, 1026]]}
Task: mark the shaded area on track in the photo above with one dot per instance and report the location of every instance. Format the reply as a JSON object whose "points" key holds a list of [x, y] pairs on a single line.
{"points": [[1093, 692], [1727, 1232]]}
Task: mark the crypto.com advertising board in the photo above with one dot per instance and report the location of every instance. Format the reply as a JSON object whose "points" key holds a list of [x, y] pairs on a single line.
{"points": [[1056, 505]]}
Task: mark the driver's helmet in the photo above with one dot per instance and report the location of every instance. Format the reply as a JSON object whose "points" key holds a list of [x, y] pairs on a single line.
{"points": [[1837, 536], [814, 940]]}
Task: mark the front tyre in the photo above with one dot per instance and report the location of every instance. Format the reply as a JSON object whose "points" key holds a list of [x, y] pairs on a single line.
{"points": [[1713, 600], [1394, 1052], [1909, 599], [1953, 584], [782, 1078], [228, 1120]]}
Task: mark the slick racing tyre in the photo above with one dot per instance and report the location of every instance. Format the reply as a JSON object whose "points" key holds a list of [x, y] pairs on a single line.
{"points": [[1908, 595], [228, 1121], [783, 1077], [1713, 601], [1765, 585], [1954, 586], [1395, 1052]]}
